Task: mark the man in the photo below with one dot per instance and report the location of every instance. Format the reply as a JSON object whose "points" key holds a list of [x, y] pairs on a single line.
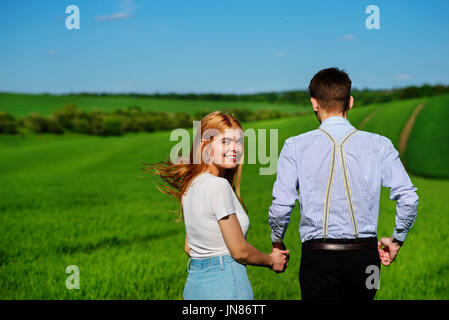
{"points": [[338, 171]]}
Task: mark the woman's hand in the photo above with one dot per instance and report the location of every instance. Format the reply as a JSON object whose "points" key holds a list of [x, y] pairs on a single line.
{"points": [[245, 253], [279, 260]]}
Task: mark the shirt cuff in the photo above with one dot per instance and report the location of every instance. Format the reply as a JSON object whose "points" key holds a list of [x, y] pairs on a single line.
{"points": [[277, 237], [400, 235]]}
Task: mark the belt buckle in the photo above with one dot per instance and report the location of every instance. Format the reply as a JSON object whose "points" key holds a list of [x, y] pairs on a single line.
{"points": [[336, 246]]}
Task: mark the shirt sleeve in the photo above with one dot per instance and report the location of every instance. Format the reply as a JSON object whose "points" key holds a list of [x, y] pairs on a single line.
{"points": [[219, 198], [402, 190], [285, 192]]}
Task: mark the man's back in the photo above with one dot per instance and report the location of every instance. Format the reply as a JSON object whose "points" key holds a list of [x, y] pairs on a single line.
{"points": [[338, 171]]}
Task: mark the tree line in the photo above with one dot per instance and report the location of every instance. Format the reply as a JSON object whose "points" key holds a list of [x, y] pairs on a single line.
{"points": [[298, 97], [132, 119]]}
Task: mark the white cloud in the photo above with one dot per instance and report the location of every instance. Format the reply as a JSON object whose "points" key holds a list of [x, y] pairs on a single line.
{"points": [[403, 77], [127, 8], [280, 54], [349, 37], [128, 84], [114, 16]]}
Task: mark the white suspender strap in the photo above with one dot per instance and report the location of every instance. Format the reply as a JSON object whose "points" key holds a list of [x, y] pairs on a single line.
{"points": [[330, 180], [346, 183], [327, 197]]}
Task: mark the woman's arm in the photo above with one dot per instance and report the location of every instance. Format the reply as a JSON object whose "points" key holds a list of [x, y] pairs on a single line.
{"points": [[186, 247], [245, 253]]}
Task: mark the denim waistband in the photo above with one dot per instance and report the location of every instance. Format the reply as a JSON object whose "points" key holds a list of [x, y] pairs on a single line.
{"points": [[205, 262]]}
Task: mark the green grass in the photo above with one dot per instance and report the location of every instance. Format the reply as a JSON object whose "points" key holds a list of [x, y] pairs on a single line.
{"points": [[427, 152], [391, 118], [20, 105], [81, 200]]}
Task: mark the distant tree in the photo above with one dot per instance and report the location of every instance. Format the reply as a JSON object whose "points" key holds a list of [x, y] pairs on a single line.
{"points": [[241, 114], [66, 114], [165, 121], [409, 93], [54, 126], [113, 125], [182, 120], [134, 110], [200, 114], [132, 124], [8, 124], [81, 125], [266, 114], [36, 122]]}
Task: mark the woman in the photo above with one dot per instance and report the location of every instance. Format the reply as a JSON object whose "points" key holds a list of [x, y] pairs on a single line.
{"points": [[216, 223]]}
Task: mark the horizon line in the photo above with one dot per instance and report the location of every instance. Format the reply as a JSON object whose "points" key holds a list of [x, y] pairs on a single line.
{"points": [[205, 93]]}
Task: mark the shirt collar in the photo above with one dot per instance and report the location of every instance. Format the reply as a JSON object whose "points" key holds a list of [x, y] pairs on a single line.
{"points": [[335, 120]]}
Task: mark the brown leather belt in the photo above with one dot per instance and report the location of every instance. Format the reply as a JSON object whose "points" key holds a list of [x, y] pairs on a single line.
{"points": [[340, 246]]}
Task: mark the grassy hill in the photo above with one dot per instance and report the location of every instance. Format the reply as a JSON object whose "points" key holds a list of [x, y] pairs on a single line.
{"points": [[427, 151], [82, 200]]}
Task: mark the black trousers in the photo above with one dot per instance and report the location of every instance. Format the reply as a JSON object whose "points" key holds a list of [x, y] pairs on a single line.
{"points": [[339, 275]]}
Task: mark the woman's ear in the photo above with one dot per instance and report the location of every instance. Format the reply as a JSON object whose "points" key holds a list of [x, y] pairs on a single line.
{"points": [[206, 153], [208, 147]]}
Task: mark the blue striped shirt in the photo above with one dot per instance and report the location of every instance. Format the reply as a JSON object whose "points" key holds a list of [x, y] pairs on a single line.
{"points": [[336, 173]]}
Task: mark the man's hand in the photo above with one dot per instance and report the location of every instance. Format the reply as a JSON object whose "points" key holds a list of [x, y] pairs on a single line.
{"points": [[388, 253], [279, 260], [280, 246]]}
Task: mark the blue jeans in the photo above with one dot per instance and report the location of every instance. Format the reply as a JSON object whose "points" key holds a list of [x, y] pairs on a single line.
{"points": [[217, 278]]}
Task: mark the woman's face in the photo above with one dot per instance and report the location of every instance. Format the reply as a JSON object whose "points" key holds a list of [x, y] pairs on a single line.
{"points": [[226, 149]]}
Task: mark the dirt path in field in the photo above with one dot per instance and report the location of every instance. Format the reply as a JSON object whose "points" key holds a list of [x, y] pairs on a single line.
{"points": [[405, 134], [368, 118]]}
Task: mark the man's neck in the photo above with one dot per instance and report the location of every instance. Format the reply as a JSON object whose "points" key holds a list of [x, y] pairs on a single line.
{"points": [[324, 116]]}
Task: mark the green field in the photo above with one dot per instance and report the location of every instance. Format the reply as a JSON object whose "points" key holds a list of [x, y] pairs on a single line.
{"points": [[82, 200], [20, 105]]}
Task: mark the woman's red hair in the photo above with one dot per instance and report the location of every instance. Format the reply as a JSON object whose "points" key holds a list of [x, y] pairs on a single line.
{"points": [[178, 175]]}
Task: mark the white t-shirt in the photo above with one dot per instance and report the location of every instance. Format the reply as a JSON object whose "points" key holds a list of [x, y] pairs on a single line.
{"points": [[208, 199]]}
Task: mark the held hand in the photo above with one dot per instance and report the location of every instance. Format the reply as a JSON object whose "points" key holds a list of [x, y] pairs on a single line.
{"points": [[279, 260], [388, 253], [281, 246]]}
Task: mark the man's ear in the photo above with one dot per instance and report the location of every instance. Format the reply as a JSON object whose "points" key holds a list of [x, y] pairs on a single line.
{"points": [[351, 102], [315, 104]]}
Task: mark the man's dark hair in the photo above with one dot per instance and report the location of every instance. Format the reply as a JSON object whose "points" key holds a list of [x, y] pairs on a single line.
{"points": [[332, 88]]}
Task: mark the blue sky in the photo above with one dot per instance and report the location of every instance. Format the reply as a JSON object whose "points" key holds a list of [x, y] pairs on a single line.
{"points": [[218, 46]]}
